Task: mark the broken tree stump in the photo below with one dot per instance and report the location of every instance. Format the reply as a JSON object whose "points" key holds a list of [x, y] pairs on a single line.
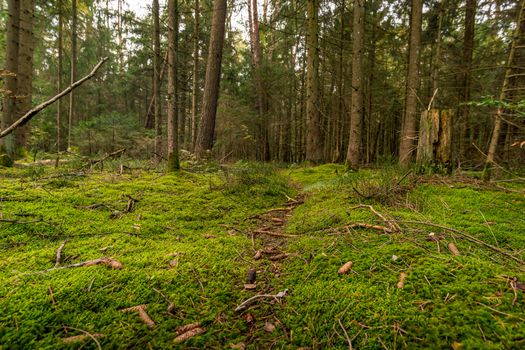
{"points": [[434, 148]]}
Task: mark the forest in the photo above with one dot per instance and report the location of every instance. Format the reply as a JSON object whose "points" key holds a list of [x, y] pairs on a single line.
{"points": [[257, 174]]}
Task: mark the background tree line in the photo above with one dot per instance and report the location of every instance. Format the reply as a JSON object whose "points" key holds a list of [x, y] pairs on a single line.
{"points": [[298, 80]]}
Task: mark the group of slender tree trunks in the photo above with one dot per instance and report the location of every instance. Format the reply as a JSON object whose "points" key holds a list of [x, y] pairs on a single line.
{"points": [[297, 128]]}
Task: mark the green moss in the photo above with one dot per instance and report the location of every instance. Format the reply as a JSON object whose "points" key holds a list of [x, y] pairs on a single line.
{"points": [[446, 299]]}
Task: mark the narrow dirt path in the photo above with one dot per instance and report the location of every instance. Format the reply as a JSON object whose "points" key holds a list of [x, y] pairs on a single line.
{"points": [[268, 254]]}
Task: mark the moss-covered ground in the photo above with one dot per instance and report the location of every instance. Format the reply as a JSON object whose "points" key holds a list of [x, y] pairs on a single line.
{"points": [[187, 244]]}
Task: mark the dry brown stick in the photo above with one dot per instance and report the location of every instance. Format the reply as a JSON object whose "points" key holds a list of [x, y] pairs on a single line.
{"points": [[82, 337], [466, 235], [59, 253], [114, 264], [29, 115], [276, 234], [50, 290], [394, 227], [247, 302], [94, 162], [141, 309], [346, 334], [92, 336]]}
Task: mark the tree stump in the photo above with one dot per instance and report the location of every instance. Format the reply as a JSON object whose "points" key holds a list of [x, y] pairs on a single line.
{"points": [[434, 148]]}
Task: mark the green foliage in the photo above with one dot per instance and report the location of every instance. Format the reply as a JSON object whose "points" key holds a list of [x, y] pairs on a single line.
{"points": [[113, 131], [517, 108]]}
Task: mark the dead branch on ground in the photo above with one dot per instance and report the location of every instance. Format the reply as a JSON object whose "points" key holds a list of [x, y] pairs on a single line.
{"points": [[109, 262], [247, 302], [59, 253]]}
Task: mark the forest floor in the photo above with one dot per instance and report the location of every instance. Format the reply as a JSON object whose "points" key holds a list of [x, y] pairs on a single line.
{"points": [[182, 249]]}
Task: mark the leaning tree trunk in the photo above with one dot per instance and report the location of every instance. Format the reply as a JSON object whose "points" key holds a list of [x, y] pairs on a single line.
{"points": [[354, 144], [408, 134], [173, 108], [213, 79], [314, 149], [489, 162], [11, 80]]}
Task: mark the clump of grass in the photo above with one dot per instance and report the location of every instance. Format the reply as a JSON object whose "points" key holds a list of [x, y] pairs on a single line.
{"points": [[389, 187], [251, 176]]}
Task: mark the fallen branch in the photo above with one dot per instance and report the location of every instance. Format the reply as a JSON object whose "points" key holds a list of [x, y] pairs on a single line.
{"points": [[465, 235], [109, 262], [275, 234], [392, 224], [59, 253], [249, 301], [92, 162], [82, 337], [92, 336], [29, 115], [141, 309]]}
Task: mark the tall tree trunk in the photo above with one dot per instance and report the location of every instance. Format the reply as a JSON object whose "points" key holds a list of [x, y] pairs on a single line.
{"points": [[314, 149], [156, 77], [408, 134], [11, 80], [173, 108], [261, 105], [73, 70], [195, 81], [464, 94], [354, 144], [213, 80], [25, 68], [504, 95], [60, 70]]}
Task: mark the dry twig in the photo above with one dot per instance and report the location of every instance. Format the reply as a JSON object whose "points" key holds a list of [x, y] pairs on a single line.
{"points": [[59, 253]]}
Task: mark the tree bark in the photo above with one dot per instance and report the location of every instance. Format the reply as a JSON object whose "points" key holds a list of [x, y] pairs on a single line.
{"points": [[173, 108], [25, 68], [314, 149], [73, 70], [354, 144], [195, 81], [7, 149], [213, 78], [156, 78], [491, 154], [60, 69], [464, 96], [408, 134]]}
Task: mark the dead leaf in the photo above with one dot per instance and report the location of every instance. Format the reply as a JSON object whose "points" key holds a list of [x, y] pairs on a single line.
{"points": [[238, 346], [258, 255], [345, 268]]}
